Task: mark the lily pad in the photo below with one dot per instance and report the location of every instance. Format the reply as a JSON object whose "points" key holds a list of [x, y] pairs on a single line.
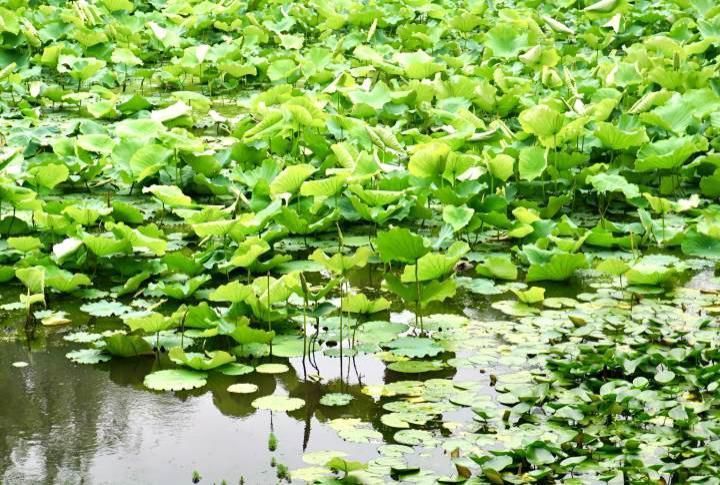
{"points": [[88, 356], [416, 366], [276, 402], [336, 399], [175, 380], [242, 388], [271, 369]]}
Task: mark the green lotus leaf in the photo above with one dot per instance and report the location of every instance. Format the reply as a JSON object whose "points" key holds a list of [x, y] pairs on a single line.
{"points": [[417, 366], [326, 187], [147, 160], [457, 216], [355, 431], [120, 345], [270, 124], [428, 160], [199, 361], [171, 112], [103, 246], [242, 388], [399, 244], [437, 290], [85, 215], [501, 166], [710, 184], [540, 455], [272, 369], [88, 356], [560, 267], [50, 175], [644, 273], [66, 248], [376, 98], [612, 182], [281, 69], [481, 286], [143, 128], [418, 65], [96, 143], [124, 212], [497, 463], [698, 244], [414, 347], [235, 369], [336, 399], [669, 153], [133, 283], [201, 316], [125, 56], [679, 111], [233, 292], [435, 265], [291, 179], [617, 138], [24, 244], [507, 40], [377, 332], [181, 291], [214, 228], [532, 163], [340, 263], [541, 120], [151, 324], [532, 295], [500, 267], [249, 251], [143, 239], [244, 334], [33, 278], [359, 303], [175, 380], [415, 437], [278, 403], [169, 195], [64, 281], [613, 266]]}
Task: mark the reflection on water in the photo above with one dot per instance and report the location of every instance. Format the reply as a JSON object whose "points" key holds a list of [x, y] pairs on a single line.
{"points": [[66, 423], [62, 422]]}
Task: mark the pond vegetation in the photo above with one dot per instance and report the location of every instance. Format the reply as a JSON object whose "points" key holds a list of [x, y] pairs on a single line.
{"points": [[360, 242]]}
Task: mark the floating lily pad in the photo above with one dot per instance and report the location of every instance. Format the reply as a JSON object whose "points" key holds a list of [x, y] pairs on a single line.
{"points": [[415, 347], [416, 366], [242, 388], [235, 369], [355, 430], [414, 437], [88, 356], [336, 399], [104, 308], [175, 380], [271, 369], [322, 457], [276, 402], [83, 337]]}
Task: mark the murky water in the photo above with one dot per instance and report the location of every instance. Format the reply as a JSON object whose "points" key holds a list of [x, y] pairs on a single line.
{"points": [[66, 423]]}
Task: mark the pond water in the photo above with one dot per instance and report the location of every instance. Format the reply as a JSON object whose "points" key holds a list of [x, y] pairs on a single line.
{"points": [[62, 422]]}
